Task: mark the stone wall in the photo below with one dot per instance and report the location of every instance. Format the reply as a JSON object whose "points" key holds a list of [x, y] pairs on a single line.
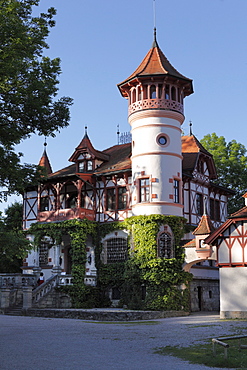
{"points": [[54, 299], [104, 314], [204, 295]]}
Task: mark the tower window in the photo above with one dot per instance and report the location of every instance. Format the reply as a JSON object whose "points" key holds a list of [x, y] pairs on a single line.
{"points": [[139, 93], [153, 92], [173, 91], [144, 190], [165, 249], [176, 191], [167, 93]]}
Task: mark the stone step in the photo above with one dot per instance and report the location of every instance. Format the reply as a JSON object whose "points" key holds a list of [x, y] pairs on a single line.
{"points": [[15, 311]]}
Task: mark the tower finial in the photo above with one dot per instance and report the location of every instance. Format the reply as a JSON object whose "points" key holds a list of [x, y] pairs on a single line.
{"points": [[86, 130], [154, 11], [45, 143], [190, 128], [118, 133]]}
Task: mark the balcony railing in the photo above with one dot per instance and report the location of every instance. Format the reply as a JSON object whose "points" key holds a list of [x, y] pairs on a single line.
{"points": [[66, 214], [156, 104]]}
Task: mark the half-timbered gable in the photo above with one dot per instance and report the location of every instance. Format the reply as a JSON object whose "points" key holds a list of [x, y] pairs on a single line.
{"points": [[198, 175], [230, 240]]}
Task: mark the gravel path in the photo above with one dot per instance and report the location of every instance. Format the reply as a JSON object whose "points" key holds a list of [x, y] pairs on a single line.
{"points": [[49, 344]]}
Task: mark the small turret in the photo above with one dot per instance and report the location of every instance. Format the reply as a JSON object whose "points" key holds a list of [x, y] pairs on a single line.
{"points": [[44, 161]]}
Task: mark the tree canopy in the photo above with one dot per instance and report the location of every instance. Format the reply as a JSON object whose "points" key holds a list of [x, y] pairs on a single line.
{"points": [[14, 245], [28, 87], [231, 164]]}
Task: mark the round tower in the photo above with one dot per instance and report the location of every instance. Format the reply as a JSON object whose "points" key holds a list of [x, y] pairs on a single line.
{"points": [[155, 92]]}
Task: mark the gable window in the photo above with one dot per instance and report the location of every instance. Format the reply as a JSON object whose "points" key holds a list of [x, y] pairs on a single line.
{"points": [[116, 198], [199, 204], [44, 204], [200, 166], [122, 198], [116, 250], [165, 248], [215, 209], [176, 191], [144, 190], [85, 166], [111, 199]]}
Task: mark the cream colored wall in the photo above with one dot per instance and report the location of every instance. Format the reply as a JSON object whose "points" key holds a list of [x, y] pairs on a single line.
{"points": [[233, 289]]}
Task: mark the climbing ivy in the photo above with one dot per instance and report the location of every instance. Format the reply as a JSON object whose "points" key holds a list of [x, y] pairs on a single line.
{"points": [[145, 281]]}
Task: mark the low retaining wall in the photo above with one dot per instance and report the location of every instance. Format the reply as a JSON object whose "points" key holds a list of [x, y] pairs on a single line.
{"points": [[104, 314]]}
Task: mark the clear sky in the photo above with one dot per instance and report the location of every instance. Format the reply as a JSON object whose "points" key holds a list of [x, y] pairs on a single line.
{"points": [[101, 42]]}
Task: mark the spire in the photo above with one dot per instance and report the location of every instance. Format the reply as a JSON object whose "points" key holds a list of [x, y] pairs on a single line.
{"points": [[155, 44], [190, 128], [44, 160]]}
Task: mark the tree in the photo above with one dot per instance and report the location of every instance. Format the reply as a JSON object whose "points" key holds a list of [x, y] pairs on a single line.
{"points": [[14, 245], [231, 164], [28, 87]]}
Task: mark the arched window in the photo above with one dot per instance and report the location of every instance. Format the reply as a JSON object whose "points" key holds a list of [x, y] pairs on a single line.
{"points": [[145, 95], [165, 247], [173, 91], [153, 92], [133, 95], [139, 93], [167, 92], [116, 250]]}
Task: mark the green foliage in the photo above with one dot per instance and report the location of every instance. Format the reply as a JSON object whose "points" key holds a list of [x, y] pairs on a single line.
{"points": [[143, 271], [78, 230], [231, 164], [161, 278], [28, 87], [13, 243]]}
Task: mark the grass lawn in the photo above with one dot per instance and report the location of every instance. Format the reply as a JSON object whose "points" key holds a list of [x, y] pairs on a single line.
{"points": [[203, 354]]}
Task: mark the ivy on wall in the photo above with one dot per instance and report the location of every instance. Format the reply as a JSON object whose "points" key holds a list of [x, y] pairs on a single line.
{"points": [[144, 280]]}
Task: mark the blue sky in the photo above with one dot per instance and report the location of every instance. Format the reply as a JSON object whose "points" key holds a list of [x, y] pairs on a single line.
{"points": [[101, 43]]}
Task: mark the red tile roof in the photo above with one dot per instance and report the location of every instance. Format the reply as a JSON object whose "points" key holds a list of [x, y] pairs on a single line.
{"points": [[156, 63], [205, 226], [44, 162]]}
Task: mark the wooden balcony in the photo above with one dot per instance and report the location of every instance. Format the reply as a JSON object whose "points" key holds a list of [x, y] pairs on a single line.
{"points": [[66, 214]]}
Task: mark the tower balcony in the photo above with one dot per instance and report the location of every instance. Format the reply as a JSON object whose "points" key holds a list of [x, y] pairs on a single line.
{"points": [[164, 104], [66, 214]]}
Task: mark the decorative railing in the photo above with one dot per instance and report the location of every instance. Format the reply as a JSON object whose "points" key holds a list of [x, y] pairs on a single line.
{"points": [[17, 280], [44, 289], [66, 214], [156, 104], [65, 280]]}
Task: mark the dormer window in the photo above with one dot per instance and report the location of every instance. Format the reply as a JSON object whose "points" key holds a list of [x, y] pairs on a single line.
{"points": [[81, 166], [85, 163]]}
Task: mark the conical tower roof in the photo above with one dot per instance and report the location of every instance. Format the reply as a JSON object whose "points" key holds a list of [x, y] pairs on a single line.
{"points": [[156, 63], [44, 162]]}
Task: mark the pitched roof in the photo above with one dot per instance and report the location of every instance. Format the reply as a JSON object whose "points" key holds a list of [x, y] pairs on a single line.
{"points": [[192, 149], [119, 159], [86, 145], [190, 144], [156, 63], [44, 162], [205, 226], [240, 214]]}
